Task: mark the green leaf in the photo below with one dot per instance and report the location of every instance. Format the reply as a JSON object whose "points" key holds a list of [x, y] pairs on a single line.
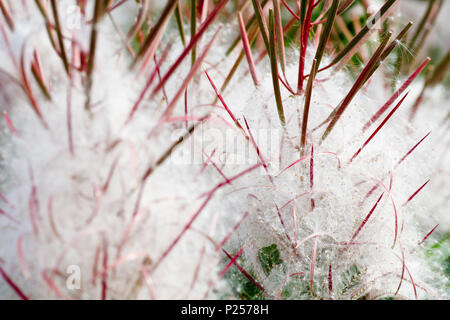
{"points": [[269, 257]]}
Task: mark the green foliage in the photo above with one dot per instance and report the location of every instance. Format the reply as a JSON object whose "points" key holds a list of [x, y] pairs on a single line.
{"points": [[349, 280]]}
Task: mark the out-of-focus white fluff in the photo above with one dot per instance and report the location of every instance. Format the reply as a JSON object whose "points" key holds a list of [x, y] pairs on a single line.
{"points": [[84, 215]]}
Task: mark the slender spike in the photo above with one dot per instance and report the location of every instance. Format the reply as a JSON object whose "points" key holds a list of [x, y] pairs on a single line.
{"points": [[13, 285], [304, 34], [60, 37], [411, 150], [236, 122], [235, 227], [201, 30], [36, 70], [29, 91], [279, 34], [330, 282], [188, 78], [428, 234], [429, 26], [142, 16], [357, 40], [232, 261], [405, 85], [440, 71], [263, 162], [366, 219], [154, 37], [193, 29], [10, 125], [248, 27], [245, 273], [416, 192], [421, 25], [326, 33], [311, 177], [294, 15], [363, 77], [313, 263], [396, 41], [196, 214], [180, 24], [99, 11], [148, 84], [262, 23]]}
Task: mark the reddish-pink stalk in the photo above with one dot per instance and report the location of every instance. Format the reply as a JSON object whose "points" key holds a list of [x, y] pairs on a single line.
{"points": [[3, 198], [294, 225], [247, 50], [2, 212], [369, 193], [307, 157], [415, 193], [32, 209], [428, 234], [29, 91], [410, 277], [95, 264], [366, 219], [186, 106], [48, 280], [378, 128], [263, 162], [51, 218], [286, 85], [110, 174], [313, 263], [98, 200], [203, 27], [395, 95], [297, 274], [303, 45], [188, 78], [330, 282], [402, 273], [205, 163], [13, 285], [411, 150], [148, 282], [245, 273]]}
